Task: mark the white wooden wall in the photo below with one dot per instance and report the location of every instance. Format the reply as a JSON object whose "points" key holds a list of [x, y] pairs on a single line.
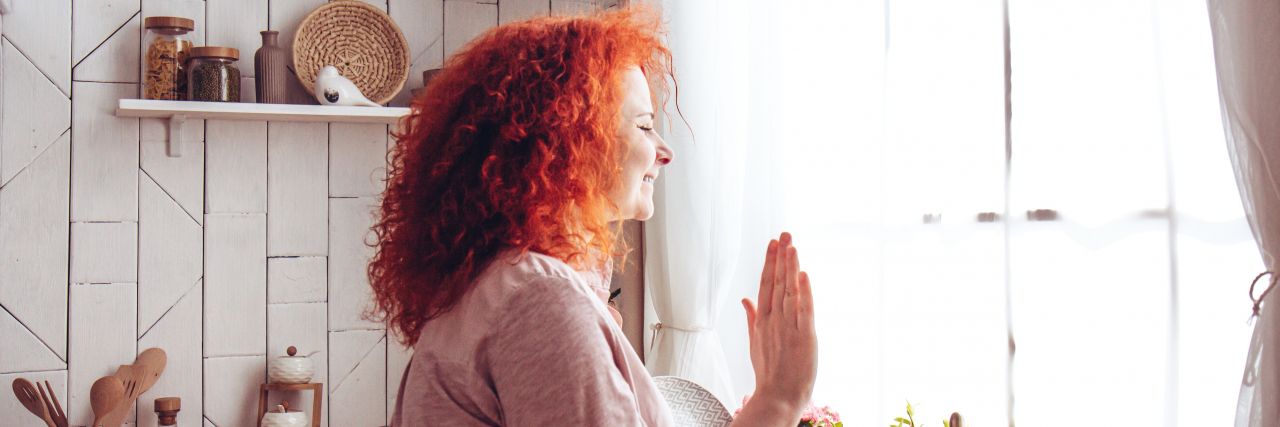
{"points": [[251, 242]]}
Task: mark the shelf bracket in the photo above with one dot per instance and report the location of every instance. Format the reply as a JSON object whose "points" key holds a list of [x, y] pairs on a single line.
{"points": [[175, 134]]}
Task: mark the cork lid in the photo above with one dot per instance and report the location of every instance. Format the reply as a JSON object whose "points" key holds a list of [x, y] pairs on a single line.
{"points": [[169, 21], [168, 404], [215, 52]]}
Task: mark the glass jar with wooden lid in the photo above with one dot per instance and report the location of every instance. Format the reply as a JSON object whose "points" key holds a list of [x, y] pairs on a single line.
{"points": [[214, 75], [164, 71]]}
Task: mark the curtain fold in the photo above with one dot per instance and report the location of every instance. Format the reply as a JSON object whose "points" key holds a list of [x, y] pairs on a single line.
{"points": [[692, 242], [1246, 45]]}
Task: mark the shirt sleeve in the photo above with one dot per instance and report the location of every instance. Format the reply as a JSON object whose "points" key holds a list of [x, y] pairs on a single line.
{"points": [[552, 360]]}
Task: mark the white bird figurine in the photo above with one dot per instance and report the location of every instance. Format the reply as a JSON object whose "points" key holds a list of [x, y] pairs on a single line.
{"points": [[333, 89]]}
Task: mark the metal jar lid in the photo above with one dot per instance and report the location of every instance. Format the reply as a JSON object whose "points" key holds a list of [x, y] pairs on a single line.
{"points": [[216, 52], [169, 22], [168, 404]]}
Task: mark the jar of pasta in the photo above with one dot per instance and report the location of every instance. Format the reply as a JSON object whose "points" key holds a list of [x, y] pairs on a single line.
{"points": [[214, 74], [164, 72]]}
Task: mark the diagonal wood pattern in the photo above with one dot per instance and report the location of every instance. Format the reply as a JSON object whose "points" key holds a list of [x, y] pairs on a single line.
{"points": [[252, 241]]}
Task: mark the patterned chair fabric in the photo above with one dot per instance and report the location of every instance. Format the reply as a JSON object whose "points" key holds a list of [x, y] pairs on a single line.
{"points": [[691, 405]]}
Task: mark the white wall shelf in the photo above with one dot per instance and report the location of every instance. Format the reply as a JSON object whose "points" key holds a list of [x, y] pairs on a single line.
{"points": [[179, 111]]}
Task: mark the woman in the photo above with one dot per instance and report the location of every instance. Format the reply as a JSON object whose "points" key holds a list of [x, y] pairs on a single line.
{"points": [[493, 245]]}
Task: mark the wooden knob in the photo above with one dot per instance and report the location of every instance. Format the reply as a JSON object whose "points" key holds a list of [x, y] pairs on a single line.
{"points": [[285, 403], [292, 350]]}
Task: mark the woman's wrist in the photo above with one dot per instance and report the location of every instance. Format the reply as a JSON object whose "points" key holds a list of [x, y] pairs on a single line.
{"points": [[767, 408]]}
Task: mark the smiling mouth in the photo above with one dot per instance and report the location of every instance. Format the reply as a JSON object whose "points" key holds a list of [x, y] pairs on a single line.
{"points": [[649, 179]]}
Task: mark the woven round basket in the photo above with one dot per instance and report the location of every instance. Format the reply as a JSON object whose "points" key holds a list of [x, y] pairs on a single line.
{"points": [[360, 40]]}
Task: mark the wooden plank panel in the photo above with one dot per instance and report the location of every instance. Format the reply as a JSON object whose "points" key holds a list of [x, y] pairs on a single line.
{"points": [[380, 4], [422, 22], [104, 155], [104, 332], [569, 7], [297, 189], [235, 167], [285, 18], [398, 357], [297, 279], [170, 253], [432, 58], [117, 59], [357, 159], [236, 23], [350, 221], [35, 113], [178, 334], [23, 351], [301, 326], [104, 252], [93, 21], [231, 389], [347, 349], [235, 285], [464, 20], [12, 413], [358, 399], [42, 31], [180, 178], [515, 10], [34, 235]]}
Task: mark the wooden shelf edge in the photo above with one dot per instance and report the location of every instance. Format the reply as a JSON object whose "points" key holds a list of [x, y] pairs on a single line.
{"points": [[193, 110]]}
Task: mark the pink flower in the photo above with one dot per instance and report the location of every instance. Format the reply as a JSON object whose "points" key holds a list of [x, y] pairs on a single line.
{"points": [[819, 417]]}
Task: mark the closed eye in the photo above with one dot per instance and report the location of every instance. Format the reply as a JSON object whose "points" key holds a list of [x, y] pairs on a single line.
{"points": [[646, 129]]}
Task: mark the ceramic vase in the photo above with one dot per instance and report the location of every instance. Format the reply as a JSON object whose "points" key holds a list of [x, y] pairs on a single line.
{"points": [[282, 418], [291, 370], [269, 71]]}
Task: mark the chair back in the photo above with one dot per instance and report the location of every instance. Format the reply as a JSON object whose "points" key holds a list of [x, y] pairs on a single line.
{"points": [[691, 405]]}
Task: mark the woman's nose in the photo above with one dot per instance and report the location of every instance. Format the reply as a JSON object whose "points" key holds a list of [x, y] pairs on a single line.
{"points": [[665, 153]]}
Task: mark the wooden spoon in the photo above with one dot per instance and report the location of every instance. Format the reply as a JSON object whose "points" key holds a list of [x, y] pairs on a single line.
{"points": [[30, 398], [125, 373], [105, 396], [148, 367]]}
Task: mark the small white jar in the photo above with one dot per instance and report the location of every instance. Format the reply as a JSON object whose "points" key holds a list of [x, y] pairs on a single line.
{"points": [[282, 417], [291, 369]]}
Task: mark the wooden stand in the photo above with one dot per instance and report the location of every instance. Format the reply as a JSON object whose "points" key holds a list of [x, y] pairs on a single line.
{"points": [[317, 393]]}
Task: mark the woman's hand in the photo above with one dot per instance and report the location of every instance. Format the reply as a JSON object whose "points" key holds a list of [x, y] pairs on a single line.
{"points": [[784, 345]]}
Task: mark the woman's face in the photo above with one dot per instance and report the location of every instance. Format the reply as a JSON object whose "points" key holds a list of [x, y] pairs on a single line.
{"points": [[644, 151]]}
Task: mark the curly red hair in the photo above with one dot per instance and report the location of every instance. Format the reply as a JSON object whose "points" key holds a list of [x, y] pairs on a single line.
{"points": [[514, 145]]}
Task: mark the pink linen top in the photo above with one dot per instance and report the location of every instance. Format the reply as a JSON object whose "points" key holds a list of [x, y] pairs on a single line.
{"points": [[532, 344]]}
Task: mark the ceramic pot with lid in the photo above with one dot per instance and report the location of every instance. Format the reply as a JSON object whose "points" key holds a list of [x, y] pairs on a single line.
{"points": [[283, 417], [292, 369]]}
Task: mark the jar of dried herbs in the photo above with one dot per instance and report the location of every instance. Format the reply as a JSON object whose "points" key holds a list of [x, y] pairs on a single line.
{"points": [[164, 70], [214, 74]]}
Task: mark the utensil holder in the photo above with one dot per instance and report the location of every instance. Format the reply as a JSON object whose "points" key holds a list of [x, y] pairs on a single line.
{"points": [[317, 393]]}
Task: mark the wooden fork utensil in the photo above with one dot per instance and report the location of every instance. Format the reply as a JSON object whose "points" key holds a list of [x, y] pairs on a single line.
{"points": [[30, 398], [51, 404]]}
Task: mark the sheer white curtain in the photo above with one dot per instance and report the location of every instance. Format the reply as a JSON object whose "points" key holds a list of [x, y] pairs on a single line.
{"points": [[692, 242], [1247, 47], [863, 116]]}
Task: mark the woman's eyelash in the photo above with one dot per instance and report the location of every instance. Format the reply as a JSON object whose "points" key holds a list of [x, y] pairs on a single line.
{"points": [[646, 129]]}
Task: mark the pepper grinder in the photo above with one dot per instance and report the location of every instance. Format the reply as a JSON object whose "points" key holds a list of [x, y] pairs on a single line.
{"points": [[167, 409]]}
